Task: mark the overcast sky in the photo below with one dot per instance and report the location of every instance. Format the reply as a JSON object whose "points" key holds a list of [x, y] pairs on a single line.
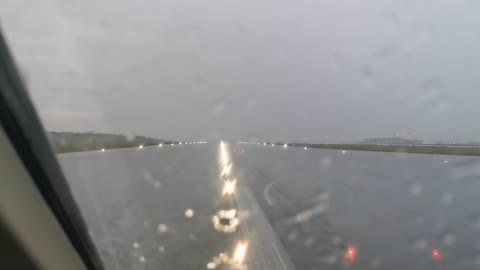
{"points": [[279, 69]]}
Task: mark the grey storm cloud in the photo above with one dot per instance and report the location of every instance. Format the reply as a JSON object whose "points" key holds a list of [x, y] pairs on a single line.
{"points": [[289, 69]]}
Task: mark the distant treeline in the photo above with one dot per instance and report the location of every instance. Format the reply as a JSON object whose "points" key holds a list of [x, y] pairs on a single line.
{"points": [[64, 142], [405, 141], [391, 140]]}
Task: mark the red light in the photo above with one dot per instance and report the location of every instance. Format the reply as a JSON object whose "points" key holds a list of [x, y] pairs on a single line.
{"points": [[351, 253], [436, 255]]}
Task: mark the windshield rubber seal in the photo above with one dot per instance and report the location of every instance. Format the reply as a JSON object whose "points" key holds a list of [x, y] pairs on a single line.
{"points": [[24, 130]]}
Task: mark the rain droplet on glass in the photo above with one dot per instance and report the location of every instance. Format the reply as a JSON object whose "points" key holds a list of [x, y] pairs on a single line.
{"points": [[375, 262], [326, 162], [432, 96], [325, 196], [292, 236], [189, 213], [130, 136], [447, 198], [309, 241], [157, 184], [438, 227], [392, 20], [449, 240], [420, 244], [162, 228], [476, 223], [251, 105], [416, 189], [367, 75], [146, 223], [337, 240], [147, 176], [219, 108], [331, 259]]}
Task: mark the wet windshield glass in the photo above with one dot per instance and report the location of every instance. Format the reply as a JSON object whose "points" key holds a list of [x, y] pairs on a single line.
{"points": [[262, 134]]}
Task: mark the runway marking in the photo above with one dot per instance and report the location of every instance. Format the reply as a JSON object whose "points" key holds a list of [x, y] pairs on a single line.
{"points": [[267, 189], [279, 256], [266, 249]]}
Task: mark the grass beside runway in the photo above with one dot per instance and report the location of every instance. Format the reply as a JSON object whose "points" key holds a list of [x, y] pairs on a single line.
{"points": [[414, 149], [69, 148]]}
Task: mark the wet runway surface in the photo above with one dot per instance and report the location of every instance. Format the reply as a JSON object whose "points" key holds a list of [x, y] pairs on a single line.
{"points": [[170, 207]]}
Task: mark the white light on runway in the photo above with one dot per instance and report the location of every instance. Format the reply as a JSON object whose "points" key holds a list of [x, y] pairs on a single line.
{"points": [[224, 155], [305, 148], [226, 221], [160, 145], [285, 146], [235, 262], [240, 253], [189, 213], [229, 187], [140, 146], [226, 170], [162, 228], [103, 149]]}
